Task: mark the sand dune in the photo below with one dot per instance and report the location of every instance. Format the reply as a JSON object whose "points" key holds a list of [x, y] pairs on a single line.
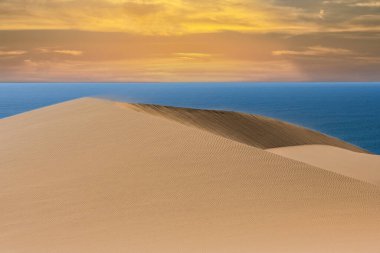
{"points": [[365, 167], [254, 130], [90, 176]]}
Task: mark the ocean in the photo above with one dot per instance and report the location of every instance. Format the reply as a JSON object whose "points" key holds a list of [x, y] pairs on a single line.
{"points": [[349, 111]]}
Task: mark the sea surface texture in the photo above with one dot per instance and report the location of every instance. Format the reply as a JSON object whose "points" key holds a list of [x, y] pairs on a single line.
{"points": [[349, 111]]}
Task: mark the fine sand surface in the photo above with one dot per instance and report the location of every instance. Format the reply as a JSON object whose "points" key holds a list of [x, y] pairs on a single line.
{"points": [[93, 176], [254, 130], [365, 167]]}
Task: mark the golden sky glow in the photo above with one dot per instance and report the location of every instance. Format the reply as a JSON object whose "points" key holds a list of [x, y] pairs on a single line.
{"points": [[189, 40]]}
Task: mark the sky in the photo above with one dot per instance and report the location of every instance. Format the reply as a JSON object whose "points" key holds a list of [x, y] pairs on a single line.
{"points": [[189, 40]]}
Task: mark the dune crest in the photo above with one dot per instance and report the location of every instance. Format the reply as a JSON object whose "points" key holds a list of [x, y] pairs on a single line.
{"points": [[89, 176], [253, 130]]}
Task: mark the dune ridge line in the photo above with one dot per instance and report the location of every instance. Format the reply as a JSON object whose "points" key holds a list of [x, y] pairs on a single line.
{"points": [[254, 130]]}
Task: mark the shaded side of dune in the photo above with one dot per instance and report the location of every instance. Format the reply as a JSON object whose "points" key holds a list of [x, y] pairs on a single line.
{"points": [[253, 130]]}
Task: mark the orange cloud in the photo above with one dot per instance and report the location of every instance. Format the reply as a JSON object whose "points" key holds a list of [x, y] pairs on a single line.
{"points": [[315, 51], [69, 52], [188, 40], [12, 53]]}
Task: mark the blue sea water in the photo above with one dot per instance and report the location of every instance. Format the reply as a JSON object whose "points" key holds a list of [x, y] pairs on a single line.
{"points": [[349, 111]]}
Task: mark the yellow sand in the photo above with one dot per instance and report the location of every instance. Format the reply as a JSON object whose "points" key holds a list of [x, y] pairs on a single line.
{"points": [[365, 167], [91, 176]]}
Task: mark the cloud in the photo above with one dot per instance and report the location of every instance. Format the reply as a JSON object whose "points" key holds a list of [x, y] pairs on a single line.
{"points": [[189, 39], [367, 20], [193, 56], [178, 17], [314, 51], [69, 52], [153, 70], [142, 9], [368, 4], [67, 55], [12, 53], [53, 50], [322, 14]]}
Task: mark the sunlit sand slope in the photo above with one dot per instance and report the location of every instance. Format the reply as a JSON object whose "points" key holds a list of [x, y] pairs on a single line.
{"points": [[361, 166], [90, 176], [254, 130]]}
